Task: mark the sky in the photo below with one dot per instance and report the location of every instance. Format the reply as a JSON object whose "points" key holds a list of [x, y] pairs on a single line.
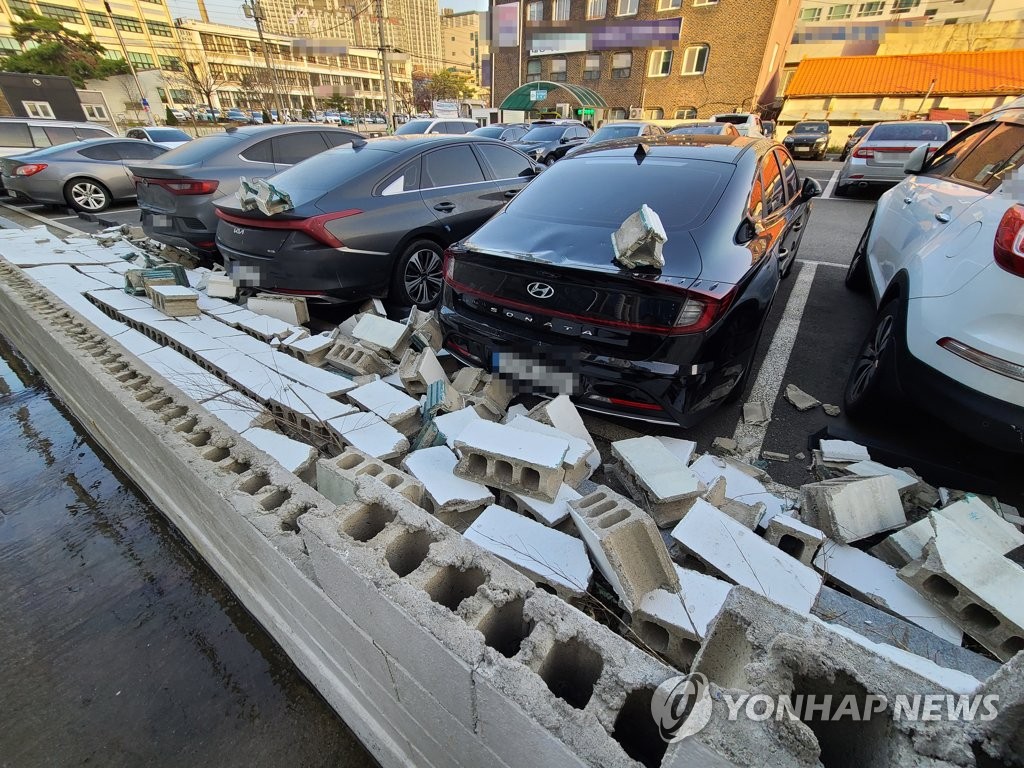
{"points": [[230, 11]]}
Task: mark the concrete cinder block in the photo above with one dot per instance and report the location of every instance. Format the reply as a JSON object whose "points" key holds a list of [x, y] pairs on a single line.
{"points": [[745, 558], [577, 461], [681, 449], [747, 515], [370, 434], [420, 369], [288, 309], [387, 335], [441, 397], [494, 396], [221, 286], [796, 539], [657, 470], [336, 478], [843, 450], [425, 324], [391, 404], [435, 469], [744, 483], [511, 459], [313, 349], [973, 585], [174, 300], [1002, 738], [625, 544], [467, 380], [904, 480], [879, 585], [298, 458], [541, 553], [560, 413], [548, 512], [356, 360], [450, 425], [850, 509]]}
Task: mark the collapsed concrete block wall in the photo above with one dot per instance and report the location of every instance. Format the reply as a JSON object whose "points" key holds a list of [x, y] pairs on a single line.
{"points": [[458, 661]]}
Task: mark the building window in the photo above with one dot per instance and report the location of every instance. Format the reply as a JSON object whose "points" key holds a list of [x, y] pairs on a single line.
{"points": [[617, 114], [40, 109], [127, 25], [98, 19], [535, 11], [559, 10], [627, 7], [159, 29], [695, 60], [140, 59], [558, 70], [874, 8], [839, 12], [686, 113], [171, 63], [181, 96], [60, 12], [596, 9], [660, 64], [621, 65], [669, 5], [592, 67], [20, 7], [657, 113], [810, 14], [902, 6], [95, 111], [533, 70], [9, 44], [699, 3]]}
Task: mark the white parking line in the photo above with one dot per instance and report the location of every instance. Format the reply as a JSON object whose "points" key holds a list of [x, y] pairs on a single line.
{"points": [[42, 219], [773, 368], [823, 263], [830, 187]]}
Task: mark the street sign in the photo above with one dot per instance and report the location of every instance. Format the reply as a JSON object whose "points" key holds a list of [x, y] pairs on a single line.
{"points": [[538, 95]]}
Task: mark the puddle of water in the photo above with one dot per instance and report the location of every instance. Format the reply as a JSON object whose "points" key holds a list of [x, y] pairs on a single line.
{"points": [[118, 645]]}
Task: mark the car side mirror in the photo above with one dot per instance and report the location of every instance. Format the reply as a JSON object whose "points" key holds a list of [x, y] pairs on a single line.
{"points": [[533, 170], [916, 162], [564, 140], [810, 189]]}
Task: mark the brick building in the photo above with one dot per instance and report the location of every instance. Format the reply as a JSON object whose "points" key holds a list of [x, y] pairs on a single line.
{"points": [[723, 55]]}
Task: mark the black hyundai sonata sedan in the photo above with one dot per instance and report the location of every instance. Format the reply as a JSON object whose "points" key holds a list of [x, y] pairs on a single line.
{"points": [[537, 291], [370, 219]]}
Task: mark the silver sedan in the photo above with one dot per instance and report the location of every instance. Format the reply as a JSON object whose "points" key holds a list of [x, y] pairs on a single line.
{"points": [[85, 175]]}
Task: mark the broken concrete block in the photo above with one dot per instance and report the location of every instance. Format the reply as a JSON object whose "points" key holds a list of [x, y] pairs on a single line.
{"points": [[796, 539], [234, 409], [518, 409], [392, 405], [311, 350], [745, 558], [511, 459], [426, 325], [625, 544], [744, 483], [800, 399], [831, 410], [747, 515], [420, 369], [724, 446], [467, 380], [561, 414], [435, 469], [682, 449], [288, 309], [1002, 737], [336, 478], [550, 513], [756, 413], [878, 584], [576, 461], [373, 307], [370, 434], [843, 450], [495, 395], [220, 285], [849, 509], [441, 397], [657, 469], [174, 300], [542, 553], [674, 623], [385, 334], [356, 360], [298, 458], [904, 480], [450, 425], [973, 585]]}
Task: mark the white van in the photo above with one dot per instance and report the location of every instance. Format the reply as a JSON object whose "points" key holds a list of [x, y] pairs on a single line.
{"points": [[746, 123], [19, 135]]}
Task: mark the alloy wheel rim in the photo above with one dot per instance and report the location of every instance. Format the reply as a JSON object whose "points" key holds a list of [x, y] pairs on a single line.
{"points": [[871, 356], [423, 276], [88, 195]]}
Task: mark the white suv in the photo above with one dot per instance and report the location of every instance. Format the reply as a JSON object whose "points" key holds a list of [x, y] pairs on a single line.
{"points": [[943, 254]]}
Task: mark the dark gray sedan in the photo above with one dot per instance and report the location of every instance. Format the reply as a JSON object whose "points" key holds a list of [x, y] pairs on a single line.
{"points": [[86, 175], [176, 192]]}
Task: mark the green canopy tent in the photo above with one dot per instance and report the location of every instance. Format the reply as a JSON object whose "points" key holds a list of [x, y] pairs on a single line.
{"points": [[519, 99]]}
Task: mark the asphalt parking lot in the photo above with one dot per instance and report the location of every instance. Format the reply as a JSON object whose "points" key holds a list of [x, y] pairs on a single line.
{"points": [[813, 333]]}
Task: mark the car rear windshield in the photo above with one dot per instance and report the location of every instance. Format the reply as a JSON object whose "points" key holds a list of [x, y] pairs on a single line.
{"points": [[490, 132], [608, 132], [821, 128], [910, 132], [706, 129], [544, 133], [168, 134], [603, 191], [315, 177], [199, 150], [414, 126], [734, 119]]}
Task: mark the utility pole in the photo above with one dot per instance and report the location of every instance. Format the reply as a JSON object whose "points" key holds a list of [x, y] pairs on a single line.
{"points": [[131, 67], [253, 10], [388, 96]]}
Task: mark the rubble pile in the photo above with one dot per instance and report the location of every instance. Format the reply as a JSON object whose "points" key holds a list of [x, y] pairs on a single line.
{"points": [[699, 559]]}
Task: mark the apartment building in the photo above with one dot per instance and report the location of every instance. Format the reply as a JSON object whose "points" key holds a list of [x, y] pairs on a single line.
{"points": [[464, 43], [631, 58]]}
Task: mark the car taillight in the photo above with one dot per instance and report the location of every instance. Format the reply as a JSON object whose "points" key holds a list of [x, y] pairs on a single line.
{"points": [[182, 186], [315, 226], [1009, 243], [864, 153], [989, 362], [701, 310], [449, 265], [29, 169]]}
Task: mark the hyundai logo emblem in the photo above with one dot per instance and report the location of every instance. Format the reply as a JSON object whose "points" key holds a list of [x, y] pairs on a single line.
{"points": [[540, 290]]}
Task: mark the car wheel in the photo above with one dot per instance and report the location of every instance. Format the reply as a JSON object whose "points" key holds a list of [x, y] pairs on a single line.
{"points": [[842, 155], [549, 160], [419, 273], [868, 384], [87, 195], [857, 272]]}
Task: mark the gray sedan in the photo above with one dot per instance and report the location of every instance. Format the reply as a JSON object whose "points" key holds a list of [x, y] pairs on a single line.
{"points": [[86, 175], [879, 157]]}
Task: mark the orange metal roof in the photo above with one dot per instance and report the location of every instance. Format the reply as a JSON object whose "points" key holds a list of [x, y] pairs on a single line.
{"points": [[981, 72]]}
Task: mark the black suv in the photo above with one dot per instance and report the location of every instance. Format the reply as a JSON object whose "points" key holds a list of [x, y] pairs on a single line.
{"points": [[809, 139], [549, 140]]}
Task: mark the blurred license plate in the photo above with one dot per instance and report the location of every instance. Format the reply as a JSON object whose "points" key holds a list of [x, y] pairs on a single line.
{"points": [[160, 220], [551, 372]]}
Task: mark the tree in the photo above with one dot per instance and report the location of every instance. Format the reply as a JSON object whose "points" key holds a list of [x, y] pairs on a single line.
{"points": [[59, 51], [448, 84], [199, 80]]}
